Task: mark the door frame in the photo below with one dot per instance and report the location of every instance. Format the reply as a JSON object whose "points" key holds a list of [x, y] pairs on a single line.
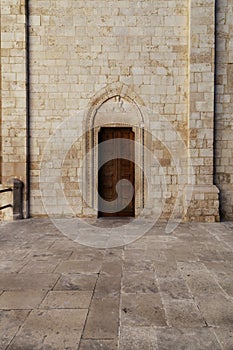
{"points": [[91, 170], [118, 214]]}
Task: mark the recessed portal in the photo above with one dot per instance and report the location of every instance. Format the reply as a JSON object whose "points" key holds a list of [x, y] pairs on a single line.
{"points": [[116, 175]]}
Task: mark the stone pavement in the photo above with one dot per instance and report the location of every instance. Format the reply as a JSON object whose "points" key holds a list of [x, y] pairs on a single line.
{"points": [[163, 291]]}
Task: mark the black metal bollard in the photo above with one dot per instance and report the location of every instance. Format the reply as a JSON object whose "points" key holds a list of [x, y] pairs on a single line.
{"points": [[17, 199]]}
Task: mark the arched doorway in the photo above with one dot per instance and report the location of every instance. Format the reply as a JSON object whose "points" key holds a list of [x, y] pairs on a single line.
{"points": [[116, 107]]}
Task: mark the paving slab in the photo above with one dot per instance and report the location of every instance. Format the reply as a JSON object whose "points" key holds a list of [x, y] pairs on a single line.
{"points": [[107, 286], [140, 282], [49, 254], [45, 266], [174, 288], [65, 242], [66, 300], [225, 337], [142, 310], [22, 281], [183, 314], [79, 266], [98, 344], [21, 299], [190, 339], [76, 281], [103, 319], [217, 310], [223, 272], [10, 323], [11, 266], [214, 303], [50, 329], [38, 244], [112, 266], [138, 265], [199, 279], [86, 254], [155, 255], [138, 338], [167, 268], [14, 254]]}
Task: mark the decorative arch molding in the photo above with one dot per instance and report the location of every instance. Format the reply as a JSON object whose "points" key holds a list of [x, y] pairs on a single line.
{"points": [[117, 106], [118, 90]]}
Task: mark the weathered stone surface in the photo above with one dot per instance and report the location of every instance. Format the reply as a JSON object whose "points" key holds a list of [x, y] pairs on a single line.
{"points": [[49, 254], [102, 320], [132, 266], [75, 281], [222, 270], [98, 345], [11, 321], [139, 282], [66, 300], [142, 310], [112, 267], [173, 288], [225, 337], [107, 286], [183, 314], [79, 266], [11, 266], [168, 268], [199, 280], [50, 329], [23, 281], [214, 304], [138, 338], [217, 310], [86, 254], [45, 266], [195, 339], [21, 299], [14, 254]]}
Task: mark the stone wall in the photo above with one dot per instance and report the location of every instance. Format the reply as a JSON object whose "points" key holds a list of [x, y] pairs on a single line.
{"points": [[156, 55], [224, 107], [82, 49], [13, 93]]}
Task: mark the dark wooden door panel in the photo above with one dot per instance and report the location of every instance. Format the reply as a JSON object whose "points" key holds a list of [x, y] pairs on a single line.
{"points": [[116, 163]]}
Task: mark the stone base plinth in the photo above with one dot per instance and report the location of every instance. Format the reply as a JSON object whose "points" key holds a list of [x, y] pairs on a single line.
{"points": [[201, 203]]}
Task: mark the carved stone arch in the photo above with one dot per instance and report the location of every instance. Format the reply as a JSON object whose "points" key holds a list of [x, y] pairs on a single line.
{"points": [[117, 90], [116, 106]]}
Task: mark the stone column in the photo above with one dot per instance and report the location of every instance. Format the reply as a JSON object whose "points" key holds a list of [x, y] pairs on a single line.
{"points": [[14, 91], [204, 201]]}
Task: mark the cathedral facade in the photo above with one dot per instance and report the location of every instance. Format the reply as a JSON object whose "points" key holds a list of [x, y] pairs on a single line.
{"points": [[96, 93]]}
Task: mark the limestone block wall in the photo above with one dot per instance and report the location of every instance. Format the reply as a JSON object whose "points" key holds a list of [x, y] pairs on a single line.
{"points": [[13, 119], [81, 48], [224, 107]]}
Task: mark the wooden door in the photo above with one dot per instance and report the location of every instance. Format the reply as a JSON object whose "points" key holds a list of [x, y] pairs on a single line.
{"points": [[115, 166]]}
